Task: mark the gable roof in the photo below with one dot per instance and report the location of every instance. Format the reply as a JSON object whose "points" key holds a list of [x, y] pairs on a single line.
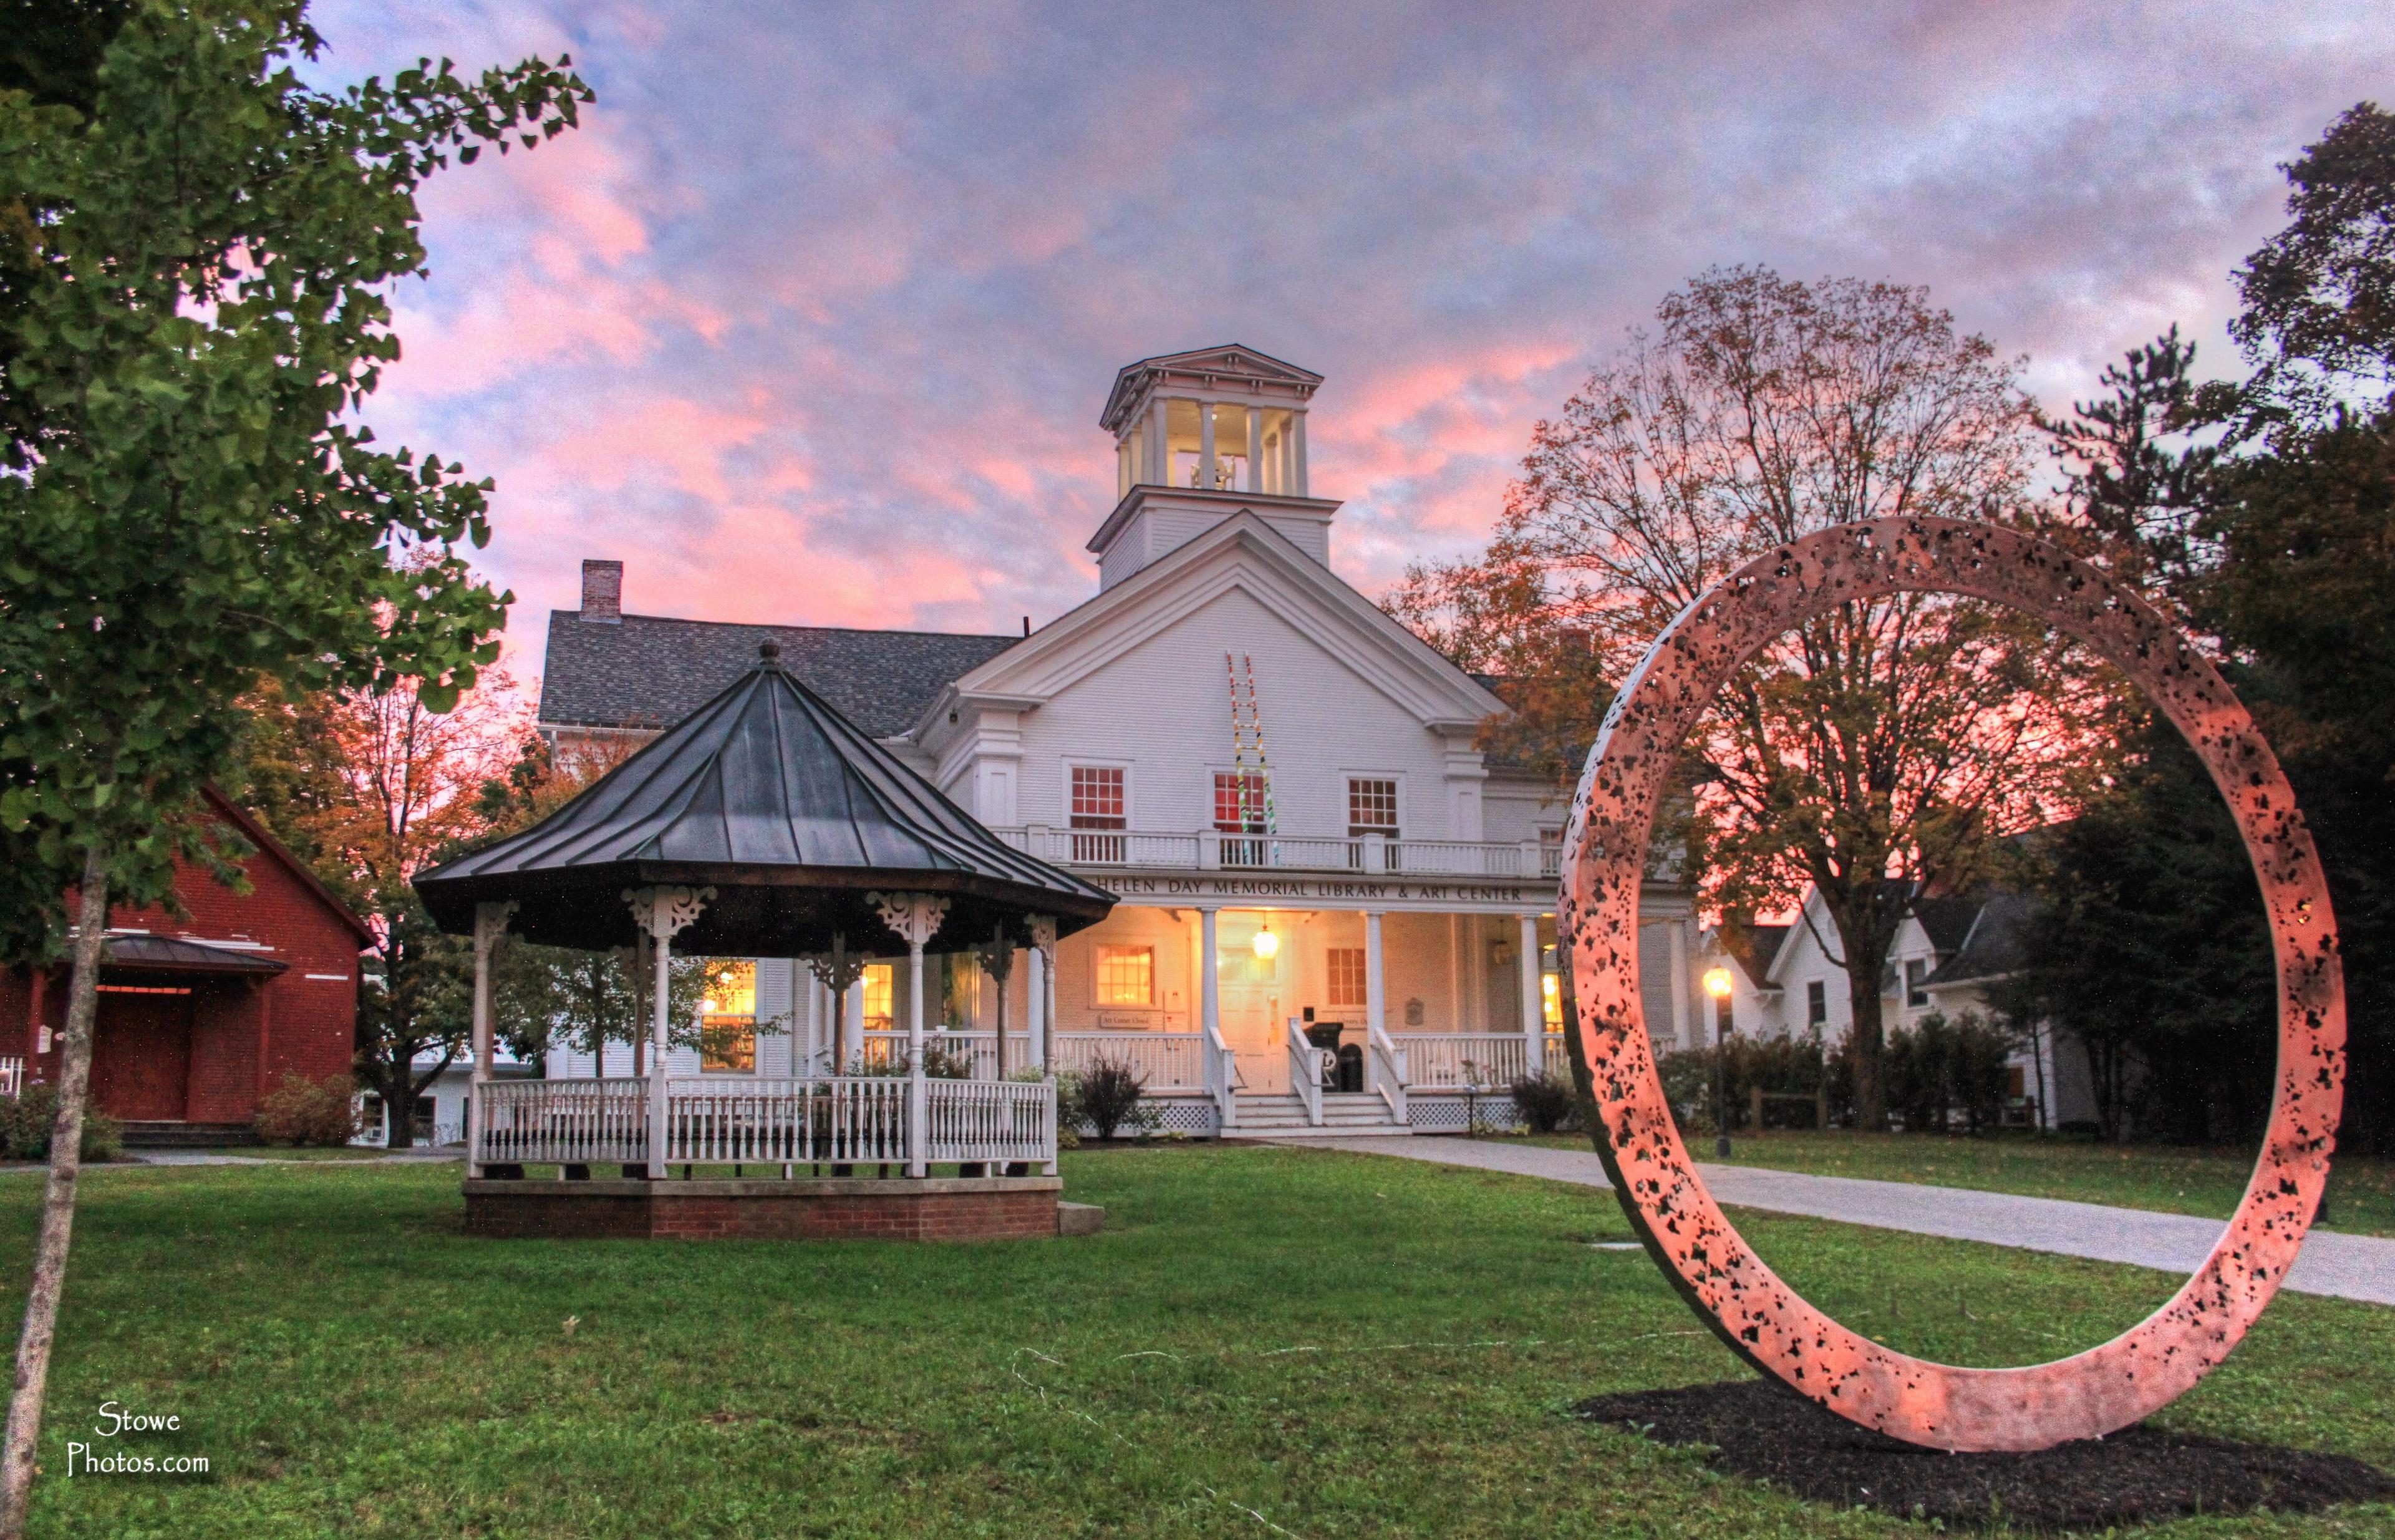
{"points": [[276, 851], [651, 671], [1754, 949], [1993, 946], [1241, 552]]}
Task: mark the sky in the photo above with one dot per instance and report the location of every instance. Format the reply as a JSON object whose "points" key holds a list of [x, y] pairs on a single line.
{"points": [[812, 320]]}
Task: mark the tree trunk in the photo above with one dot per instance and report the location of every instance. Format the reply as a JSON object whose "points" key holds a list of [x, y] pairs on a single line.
{"points": [[1865, 1040], [399, 1110], [57, 1205]]}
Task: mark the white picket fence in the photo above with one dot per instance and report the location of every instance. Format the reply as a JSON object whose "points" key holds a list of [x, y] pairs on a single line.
{"points": [[848, 1120]]}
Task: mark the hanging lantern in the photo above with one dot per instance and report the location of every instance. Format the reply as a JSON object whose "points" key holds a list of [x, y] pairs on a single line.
{"points": [[1267, 944]]}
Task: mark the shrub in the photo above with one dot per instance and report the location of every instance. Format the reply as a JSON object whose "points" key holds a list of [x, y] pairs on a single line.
{"points": [[1780, 1066], [1107, 1095], [25, 1127], [1547, 1102], [301, 1111]]}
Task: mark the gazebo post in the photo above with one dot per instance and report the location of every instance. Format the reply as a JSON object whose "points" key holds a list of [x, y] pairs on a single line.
{"points": [[1043, 941], [662, 914], [916, 917], [837, 970], [490, 923]]}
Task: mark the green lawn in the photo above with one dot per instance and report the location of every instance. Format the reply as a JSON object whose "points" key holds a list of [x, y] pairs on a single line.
{"points": [[2362, 1192], [1263, 1342]]}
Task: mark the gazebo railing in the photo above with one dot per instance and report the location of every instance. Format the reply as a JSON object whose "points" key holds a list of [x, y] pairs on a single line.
{"points": [[562, 1122], [848, 1120]]}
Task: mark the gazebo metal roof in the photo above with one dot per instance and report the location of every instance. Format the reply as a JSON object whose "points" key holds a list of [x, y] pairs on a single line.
{"points": [[784, 807]]}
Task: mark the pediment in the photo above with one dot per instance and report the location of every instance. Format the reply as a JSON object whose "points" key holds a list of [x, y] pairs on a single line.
{"points": [[1228, 363]]}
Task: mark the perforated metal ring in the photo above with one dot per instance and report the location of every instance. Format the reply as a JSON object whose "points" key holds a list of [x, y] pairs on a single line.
{"points": [[1761, 1318]]}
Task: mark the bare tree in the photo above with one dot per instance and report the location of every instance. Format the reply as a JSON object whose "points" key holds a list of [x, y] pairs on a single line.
{"points": [[1885, 750]]}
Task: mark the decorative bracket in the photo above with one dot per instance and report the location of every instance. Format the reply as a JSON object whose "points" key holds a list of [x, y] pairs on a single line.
{"points": [[1043, 935], [997, 955], [490, 923], [914, 916], [664, 912], [837, 969]]}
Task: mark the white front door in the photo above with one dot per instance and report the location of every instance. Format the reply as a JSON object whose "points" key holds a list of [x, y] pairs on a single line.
{"points": [[1253, 995]]}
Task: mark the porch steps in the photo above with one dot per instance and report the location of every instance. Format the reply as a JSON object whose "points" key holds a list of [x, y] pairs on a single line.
{"points": [[1344, 1115]]}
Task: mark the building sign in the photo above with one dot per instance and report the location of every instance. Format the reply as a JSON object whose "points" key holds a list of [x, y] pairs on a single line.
{"points": [[1343, 891]]}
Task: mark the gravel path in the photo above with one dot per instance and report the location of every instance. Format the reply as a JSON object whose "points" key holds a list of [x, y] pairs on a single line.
{"points": [[2348, 1267]]}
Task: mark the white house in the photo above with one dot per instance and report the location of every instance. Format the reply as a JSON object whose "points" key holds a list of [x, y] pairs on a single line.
{"points": [[1281, 784], [1787, 980]]}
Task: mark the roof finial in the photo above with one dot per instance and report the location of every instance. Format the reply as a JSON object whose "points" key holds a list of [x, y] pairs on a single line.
{"points": [[769, 655]]}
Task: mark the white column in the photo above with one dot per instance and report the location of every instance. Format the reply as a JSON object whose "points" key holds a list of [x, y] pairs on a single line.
{"points": [[1284, 454], [1040, 990], [852, 1014], [490, 923], [1255, 449], [1206, 444], [1297, 453], [1376, 999], [916, 917], [1159, 444], [662, 914], [1534, 1013], [1209, 984], [1683, 1031]]}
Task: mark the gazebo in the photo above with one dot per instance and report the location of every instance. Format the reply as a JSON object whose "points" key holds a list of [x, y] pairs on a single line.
{"points": [[764, 825]]}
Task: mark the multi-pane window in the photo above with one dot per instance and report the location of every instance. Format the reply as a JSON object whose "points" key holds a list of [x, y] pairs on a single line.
{"points": [[727, 1019], [1371, 807], [1239, 809], [1345, 967], [880, 979], [1098, 803], [1917, 982], [1816, 1003], [1126, 975]]}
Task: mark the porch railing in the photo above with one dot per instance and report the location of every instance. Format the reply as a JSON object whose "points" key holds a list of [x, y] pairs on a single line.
{"points": [[1221, 1077], [1387, 1064], [1163, 1061], [1452, 1061], [1209, 849], [847, 1120], [977, 1051], [1306, 1067]]}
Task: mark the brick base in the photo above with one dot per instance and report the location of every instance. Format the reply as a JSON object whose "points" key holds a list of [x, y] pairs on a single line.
{"points": [[989, 1208]]}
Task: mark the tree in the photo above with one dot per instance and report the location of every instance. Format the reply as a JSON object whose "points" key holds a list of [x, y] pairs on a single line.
{"points": [[196, 265], [1885, 750], [371, 788], [2134, 478]]}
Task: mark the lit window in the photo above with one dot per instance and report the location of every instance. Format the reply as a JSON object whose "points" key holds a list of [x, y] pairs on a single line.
{"points": [[1550, 1002], [1371, 807], [1126, 975], [727, 1022], [878, 977], [1346, 965]]}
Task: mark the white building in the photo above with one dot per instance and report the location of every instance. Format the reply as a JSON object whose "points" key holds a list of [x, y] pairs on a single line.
{"points": [[1281, 783], [1788, 981]]}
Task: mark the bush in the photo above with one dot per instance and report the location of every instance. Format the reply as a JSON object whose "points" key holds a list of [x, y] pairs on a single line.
{"points": [[25, 1127], [1934, 1070], [1105, 1095], [301, 1111], [1546, 1102], [1779, 1065]]}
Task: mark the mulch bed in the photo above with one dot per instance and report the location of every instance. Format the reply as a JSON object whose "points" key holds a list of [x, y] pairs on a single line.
{"points": [[2141, 1474]]}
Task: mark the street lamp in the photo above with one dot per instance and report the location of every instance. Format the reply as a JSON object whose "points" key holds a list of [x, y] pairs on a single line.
{"points": [[1717, 985]]}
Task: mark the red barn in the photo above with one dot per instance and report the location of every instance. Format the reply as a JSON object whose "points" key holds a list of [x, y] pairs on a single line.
{"points": [[199, 1018]]}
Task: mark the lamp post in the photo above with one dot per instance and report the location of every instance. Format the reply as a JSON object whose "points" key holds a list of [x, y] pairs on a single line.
{"points": [[1717, 986]]}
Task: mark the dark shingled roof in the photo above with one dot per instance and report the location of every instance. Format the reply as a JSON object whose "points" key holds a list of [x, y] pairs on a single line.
{"points": [[788, 812], [1993, 947], [1753, 947], [167, 955], [649, 671]]}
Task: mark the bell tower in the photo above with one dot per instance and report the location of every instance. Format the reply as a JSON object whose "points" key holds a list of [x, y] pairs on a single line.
{"points": [[1200, 436]]}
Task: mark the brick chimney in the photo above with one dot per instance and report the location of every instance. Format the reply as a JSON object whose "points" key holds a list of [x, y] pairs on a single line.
{"points": [[603, 593]]}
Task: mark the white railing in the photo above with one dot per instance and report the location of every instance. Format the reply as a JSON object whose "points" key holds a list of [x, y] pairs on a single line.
{"points": [[977, 1051], [993, 1121], [1453, 1061], [1305, 1070], [1222, 1076], [1163, 1061], [12, 1077], [1385, 1065], [562, 1122], [1211, 849]]}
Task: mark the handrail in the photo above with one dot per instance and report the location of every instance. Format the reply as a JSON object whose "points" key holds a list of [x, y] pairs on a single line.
{"points": [[1208, 849], [1305, 1072], [1387, 1064], [1221, 1077]]}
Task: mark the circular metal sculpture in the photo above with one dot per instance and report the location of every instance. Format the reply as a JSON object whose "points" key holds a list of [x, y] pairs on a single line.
{"points": [[1761, 1318]]}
